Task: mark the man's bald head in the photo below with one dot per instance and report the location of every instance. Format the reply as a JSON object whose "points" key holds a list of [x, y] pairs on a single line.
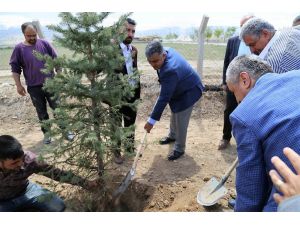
{"points": [[245, 19]]}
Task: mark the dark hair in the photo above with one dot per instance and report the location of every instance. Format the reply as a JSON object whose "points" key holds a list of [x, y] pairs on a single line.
{"points": [[10, 148], [25, 25], [131, 21], [153, 47]]}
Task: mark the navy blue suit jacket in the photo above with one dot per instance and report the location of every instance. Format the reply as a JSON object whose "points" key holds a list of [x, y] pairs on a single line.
{"points": [[232, 50], [180, 84]]}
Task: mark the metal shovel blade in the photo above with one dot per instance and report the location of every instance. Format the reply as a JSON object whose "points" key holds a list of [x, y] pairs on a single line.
{"points": [[124, 184], [213, 190], [209, 195], [129, 176]]}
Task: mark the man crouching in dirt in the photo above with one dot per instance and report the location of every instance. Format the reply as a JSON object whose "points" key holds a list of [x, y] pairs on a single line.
{"points": [[181, 88], [17, 193], [266, 120]]}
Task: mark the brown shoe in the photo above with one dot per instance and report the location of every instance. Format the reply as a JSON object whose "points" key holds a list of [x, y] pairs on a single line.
{"points": [[223, 144]]}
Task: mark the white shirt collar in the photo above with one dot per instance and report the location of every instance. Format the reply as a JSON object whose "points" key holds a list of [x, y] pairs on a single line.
{"points": [[125, 48], [265, 51]]}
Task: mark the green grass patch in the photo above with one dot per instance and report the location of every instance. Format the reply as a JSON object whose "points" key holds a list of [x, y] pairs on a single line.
{"points": [[188, 50]]}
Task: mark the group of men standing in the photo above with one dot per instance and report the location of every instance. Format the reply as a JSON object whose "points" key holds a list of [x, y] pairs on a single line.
{"points": [[262, 91], [265, 113]]}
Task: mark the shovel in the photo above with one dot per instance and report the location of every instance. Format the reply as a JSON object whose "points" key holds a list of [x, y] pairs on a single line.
{"points": [[129, 176], [213, 190]]}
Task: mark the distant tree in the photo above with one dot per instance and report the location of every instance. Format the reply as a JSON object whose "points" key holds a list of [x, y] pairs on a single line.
{"points": [[194, 35], [218, 32], [171, 36], [208, 33], [229, 32]]}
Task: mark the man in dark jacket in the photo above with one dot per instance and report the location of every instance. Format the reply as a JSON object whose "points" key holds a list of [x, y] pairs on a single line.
{"points": [[181, 88], [234, 47], [128, 114]]}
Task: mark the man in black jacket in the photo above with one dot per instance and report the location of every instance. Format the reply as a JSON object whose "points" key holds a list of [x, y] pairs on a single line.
{"points": [[128, 114], [234, 48]]}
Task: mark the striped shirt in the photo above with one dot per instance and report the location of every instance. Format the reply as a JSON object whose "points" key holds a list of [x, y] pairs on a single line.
{"points": [[283, 54]]}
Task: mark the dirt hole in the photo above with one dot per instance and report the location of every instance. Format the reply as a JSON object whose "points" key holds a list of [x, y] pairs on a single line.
{"points": [[134, 199]]}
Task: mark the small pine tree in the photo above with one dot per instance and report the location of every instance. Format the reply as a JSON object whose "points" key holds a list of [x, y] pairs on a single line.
{"points": [[89, 89]]}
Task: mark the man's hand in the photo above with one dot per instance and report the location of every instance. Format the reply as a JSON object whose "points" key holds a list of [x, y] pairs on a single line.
{"points": [[148, 127], [224, 86], [21, 90], [289, 184]]}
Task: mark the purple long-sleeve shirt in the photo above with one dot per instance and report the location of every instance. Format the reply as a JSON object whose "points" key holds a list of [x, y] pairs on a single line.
{"points": [[22, 59]]}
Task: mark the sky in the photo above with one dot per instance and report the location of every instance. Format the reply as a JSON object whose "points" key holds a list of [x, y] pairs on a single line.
{"points": [[153, 14]]}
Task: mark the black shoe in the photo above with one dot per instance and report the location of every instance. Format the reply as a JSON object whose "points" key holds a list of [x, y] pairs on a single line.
{"points": [[175, 155], [166, 140]]}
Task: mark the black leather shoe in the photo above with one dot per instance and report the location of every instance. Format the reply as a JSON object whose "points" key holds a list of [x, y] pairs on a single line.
{"points": [[166, 140], [175, 155]]}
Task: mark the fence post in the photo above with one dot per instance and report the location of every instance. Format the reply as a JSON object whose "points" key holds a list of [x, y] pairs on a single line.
{"points": [[39, 29], [201, 40]]}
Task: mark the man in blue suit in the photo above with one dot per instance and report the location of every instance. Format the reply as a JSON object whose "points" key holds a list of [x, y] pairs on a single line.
{"points": [[266, 120], [181, 88]]}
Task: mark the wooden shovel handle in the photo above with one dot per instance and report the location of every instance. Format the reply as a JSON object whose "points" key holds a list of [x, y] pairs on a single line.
{"points": [[228, 172], [140, 147]]}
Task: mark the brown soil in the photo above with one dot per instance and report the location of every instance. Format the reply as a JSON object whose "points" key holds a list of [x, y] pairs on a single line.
{"points": [[159, 185]]}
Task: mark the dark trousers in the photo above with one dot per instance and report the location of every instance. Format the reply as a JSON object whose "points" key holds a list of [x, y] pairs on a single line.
{"points": [[39, 98], [34, 198], [231, 104], [128, 114]]}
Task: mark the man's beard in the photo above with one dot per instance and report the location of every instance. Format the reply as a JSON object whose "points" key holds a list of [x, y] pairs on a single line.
{"points": [[127, 41], [32, 41]]}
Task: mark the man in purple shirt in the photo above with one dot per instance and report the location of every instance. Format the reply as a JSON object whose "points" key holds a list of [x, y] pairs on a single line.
{"points": [[22, 59]]}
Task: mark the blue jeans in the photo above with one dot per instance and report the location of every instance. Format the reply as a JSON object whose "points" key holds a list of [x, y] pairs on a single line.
{"points": [[35, 198]]}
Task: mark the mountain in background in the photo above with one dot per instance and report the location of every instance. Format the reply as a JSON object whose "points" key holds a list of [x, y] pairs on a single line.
{"points": [[13, 35]]}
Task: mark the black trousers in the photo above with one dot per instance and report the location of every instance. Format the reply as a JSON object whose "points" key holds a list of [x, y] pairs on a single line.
{"points": [[39, 98], [129, 115], [231, 104]]}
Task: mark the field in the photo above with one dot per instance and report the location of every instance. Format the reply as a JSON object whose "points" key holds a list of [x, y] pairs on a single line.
{"points": [[159, 185], [189, 51]]}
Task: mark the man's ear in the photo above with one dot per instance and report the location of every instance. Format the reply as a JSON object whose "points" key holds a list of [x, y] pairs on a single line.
{"points": [[245, 80], [266, 33]]}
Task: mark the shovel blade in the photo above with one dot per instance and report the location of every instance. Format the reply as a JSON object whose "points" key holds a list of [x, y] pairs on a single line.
{"points": [[208, 196], [124, 184]]}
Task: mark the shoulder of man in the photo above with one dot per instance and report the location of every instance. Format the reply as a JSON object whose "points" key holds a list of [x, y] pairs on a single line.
{"points": [[234, 39], [134, 48], [19, 45]]}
